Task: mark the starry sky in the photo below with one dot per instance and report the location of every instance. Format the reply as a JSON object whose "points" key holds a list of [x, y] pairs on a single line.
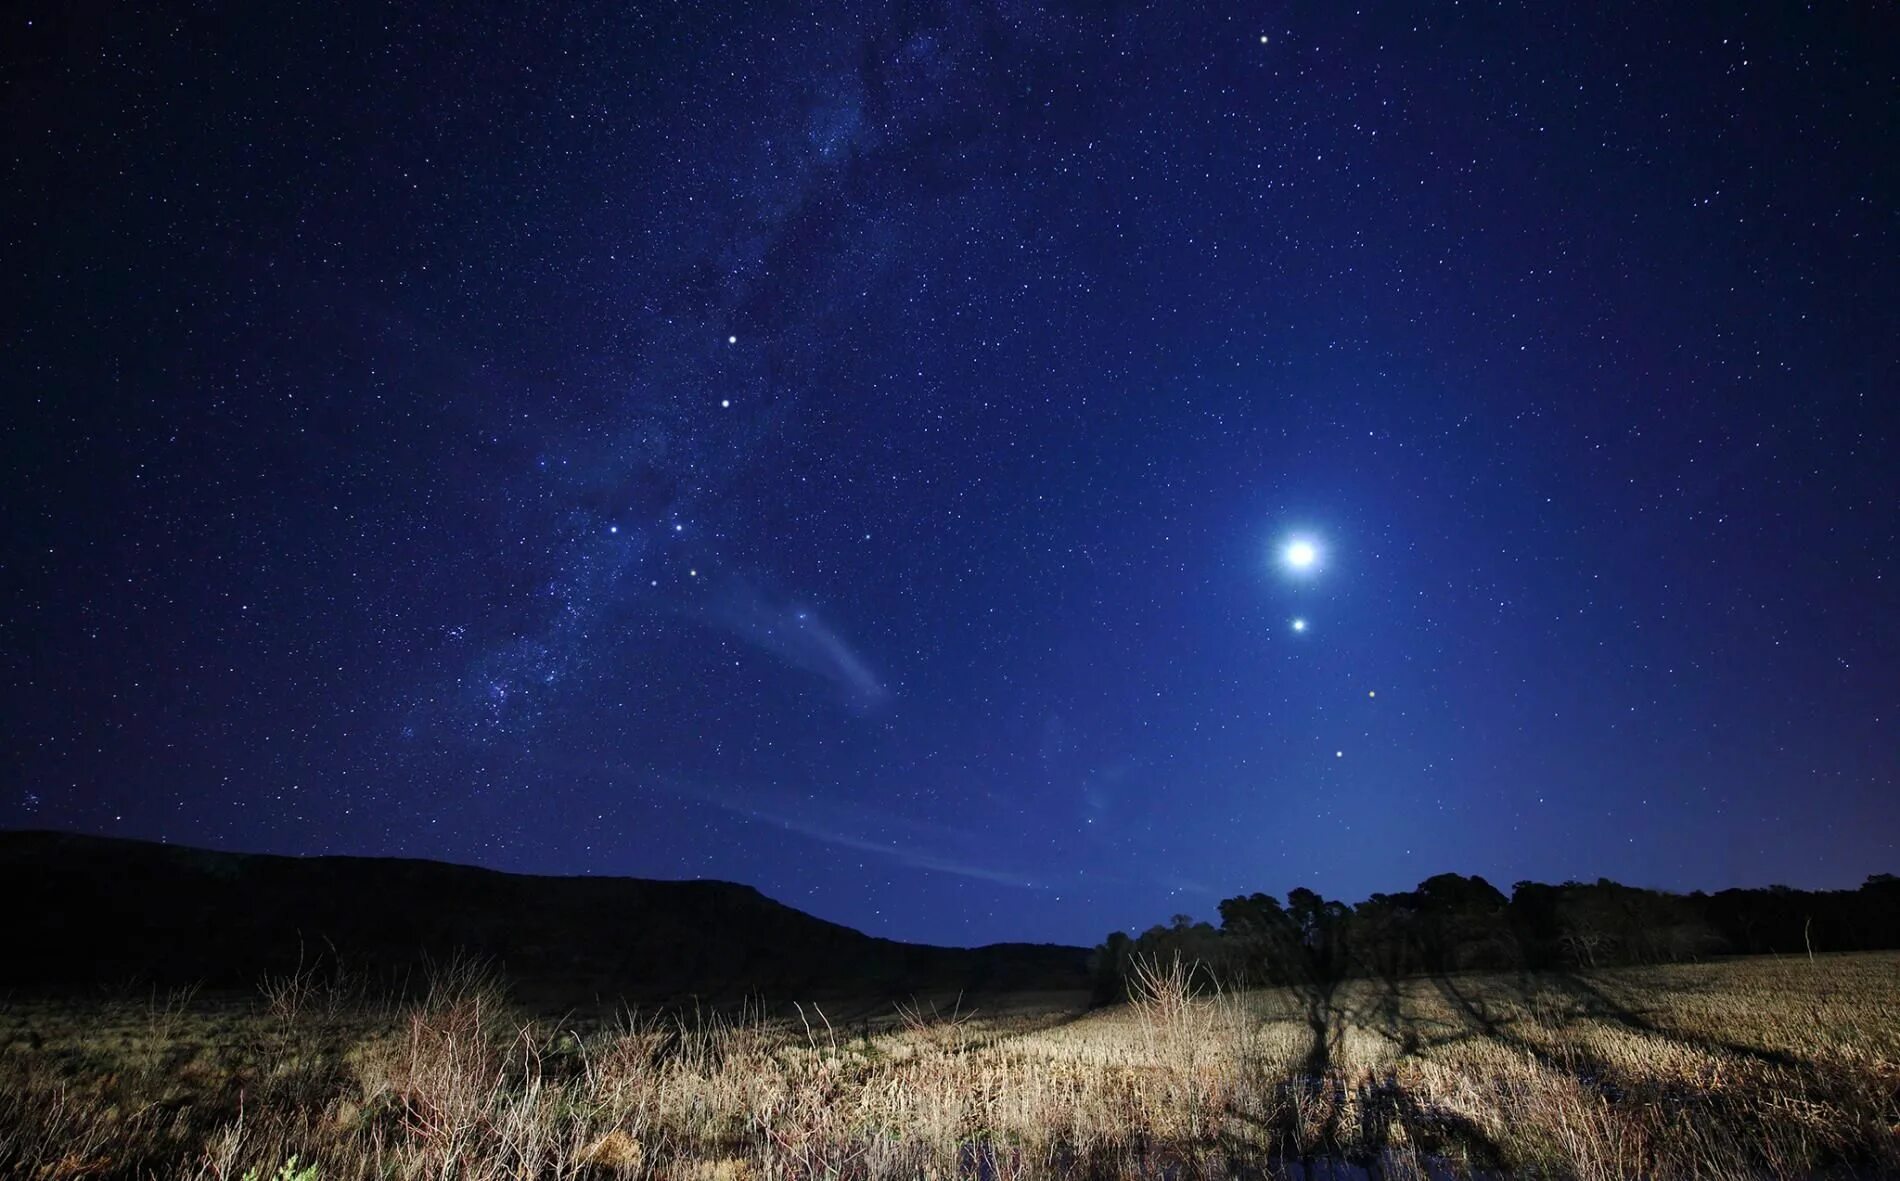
{"points": [[855, 449]]}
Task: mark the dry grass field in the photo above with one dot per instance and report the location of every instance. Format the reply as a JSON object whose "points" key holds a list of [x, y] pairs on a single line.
{"points": [[1748, 1068]]}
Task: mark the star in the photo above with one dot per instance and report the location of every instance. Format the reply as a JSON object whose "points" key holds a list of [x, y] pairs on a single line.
{"points": [[1299, 625], [1301, 553]]}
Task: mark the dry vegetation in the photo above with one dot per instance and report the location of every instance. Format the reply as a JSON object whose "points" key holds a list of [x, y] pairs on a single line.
{"points": [[1742, 1069]]}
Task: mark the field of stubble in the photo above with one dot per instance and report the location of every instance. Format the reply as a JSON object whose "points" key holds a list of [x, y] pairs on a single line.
{"points": [[1747, 1068]]}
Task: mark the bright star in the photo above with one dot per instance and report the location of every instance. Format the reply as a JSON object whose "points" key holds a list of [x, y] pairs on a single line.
{"points": [[1301, 554], [1299, 625]]}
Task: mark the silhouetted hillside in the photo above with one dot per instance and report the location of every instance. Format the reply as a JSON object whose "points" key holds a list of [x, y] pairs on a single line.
{"points": [[91, 911]]}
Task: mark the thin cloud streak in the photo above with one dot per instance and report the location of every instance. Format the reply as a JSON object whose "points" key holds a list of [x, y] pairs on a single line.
{"points": [[800, 637], [804, 824]]}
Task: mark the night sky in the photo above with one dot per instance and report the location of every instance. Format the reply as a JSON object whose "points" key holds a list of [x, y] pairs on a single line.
{"points": [[863, 451]]}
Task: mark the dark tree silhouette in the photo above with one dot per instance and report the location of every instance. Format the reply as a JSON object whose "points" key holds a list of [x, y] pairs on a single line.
{"points": [[1453, 923]]}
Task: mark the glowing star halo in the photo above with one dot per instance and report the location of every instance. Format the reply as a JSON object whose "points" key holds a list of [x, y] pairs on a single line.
{"points": [[1301, 554]]}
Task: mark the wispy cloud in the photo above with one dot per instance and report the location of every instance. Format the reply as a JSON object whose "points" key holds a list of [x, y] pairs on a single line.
{"points": [[797, 635], [819, 822]]}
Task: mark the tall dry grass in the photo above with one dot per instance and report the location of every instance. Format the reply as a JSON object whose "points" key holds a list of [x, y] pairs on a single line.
{"points": [[1743, 1069]]}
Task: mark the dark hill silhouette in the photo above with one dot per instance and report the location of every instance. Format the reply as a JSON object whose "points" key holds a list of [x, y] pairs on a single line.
{"points": [[84, 912]]}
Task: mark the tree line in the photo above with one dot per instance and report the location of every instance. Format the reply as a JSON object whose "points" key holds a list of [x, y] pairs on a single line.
{"points": [[1454, 924]]}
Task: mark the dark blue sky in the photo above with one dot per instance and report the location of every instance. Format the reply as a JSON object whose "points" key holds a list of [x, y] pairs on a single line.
{"points": [[848, 449]]}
